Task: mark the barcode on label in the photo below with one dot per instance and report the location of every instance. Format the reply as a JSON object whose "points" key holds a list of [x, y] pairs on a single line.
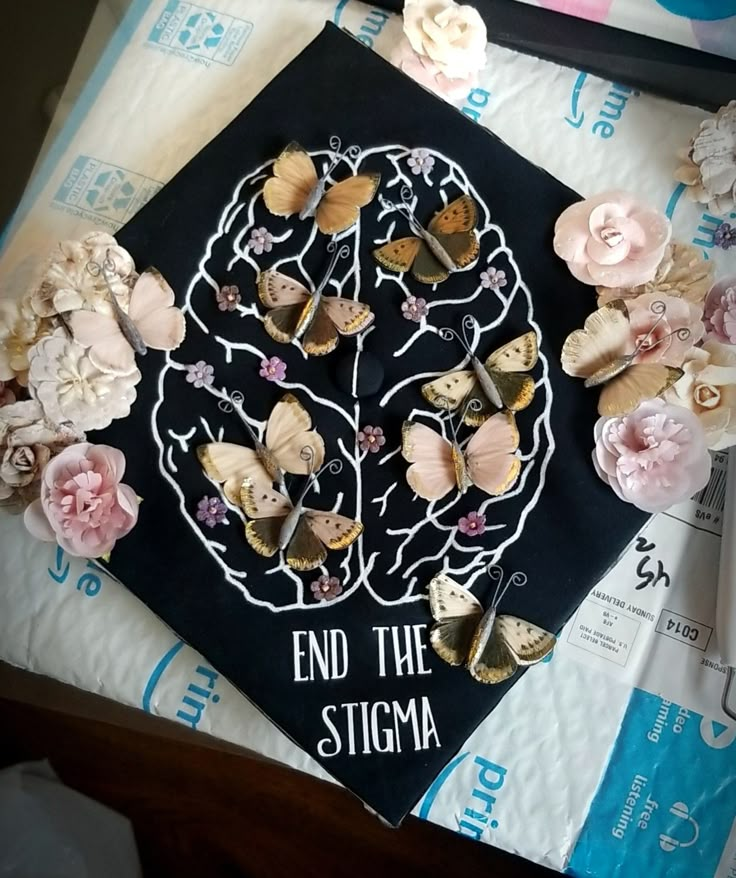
{"points": [[714, 493]]}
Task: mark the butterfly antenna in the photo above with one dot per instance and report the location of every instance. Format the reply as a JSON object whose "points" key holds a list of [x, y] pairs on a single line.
{"points": [[404, 208], [495, 573], [659, 309], [339, 154], [469, 325], [342, 253], [334, 466], [234, 403], [517, 579]]}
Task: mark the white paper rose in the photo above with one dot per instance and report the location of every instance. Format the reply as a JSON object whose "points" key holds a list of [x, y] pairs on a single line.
{"points": [[451, 36], [20, 329], [70, 389], [708, 388], [71, 281]]}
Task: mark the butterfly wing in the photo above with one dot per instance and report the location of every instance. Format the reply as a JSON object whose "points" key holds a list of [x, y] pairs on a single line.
{"points": [[340, 206], [528, 643], [460, 215], [490, 456], [398, 255], [432, 471], [450, 391], [294, 179], [335, 531], [288, 432], [603, 339], [231, 465], [152, 310], [426, 268], [321, 338], [490, 659], [305, 551], [109, 350], [349, 317], [519, 355], [461, 247], [268, 511], [640, 381], [277, 290], [456, 613]]}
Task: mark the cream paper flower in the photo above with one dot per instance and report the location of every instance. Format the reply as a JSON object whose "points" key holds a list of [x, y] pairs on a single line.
{"points": [[71, 280], [708, 388], [709, 169], [70, 389], [20, 329], [452, 36]]}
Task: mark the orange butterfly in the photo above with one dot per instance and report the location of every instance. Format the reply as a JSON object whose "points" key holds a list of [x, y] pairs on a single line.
{"points": [[316, 319], [296, 188], [447, 244]]}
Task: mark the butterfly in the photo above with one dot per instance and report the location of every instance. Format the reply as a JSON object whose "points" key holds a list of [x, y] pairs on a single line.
{"points": [[296, 188], [496, 384], [491, 646], [438, 465], [601, 354], [151, 321], [289, 435], [304, 535], [317, 320], [447, 244]]}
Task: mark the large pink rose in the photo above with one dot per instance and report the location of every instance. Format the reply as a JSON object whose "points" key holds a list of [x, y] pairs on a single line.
{"points": [[654, 457], [83, 505], [612, 240]]}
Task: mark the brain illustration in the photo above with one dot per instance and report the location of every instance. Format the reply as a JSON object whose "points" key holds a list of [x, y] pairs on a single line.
{"points": [[406, 539]]}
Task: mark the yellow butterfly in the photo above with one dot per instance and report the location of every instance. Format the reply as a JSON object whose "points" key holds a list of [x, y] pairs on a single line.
{"points": [[296, 188], [290, 446], [304, 535], [492, 647], [497, 383], [601, 354], [447, 244], [317, 320]]}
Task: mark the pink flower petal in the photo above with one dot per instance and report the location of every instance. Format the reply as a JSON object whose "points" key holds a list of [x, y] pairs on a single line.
{"points": [[37, 523]]}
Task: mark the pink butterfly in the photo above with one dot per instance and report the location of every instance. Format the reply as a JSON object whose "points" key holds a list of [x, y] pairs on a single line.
{"points": [[489, 460], [152, 321]]}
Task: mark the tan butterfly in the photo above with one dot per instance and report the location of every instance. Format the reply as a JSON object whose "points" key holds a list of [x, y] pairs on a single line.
{"points": [[448, 244], [317, 320], [290, 446], [492, 647], [296, 188], [496, 384], [304, 535], [438, 465], [602, 354]]}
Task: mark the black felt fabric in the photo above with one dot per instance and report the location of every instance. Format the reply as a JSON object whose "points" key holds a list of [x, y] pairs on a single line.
{"points": [[573, 535]]}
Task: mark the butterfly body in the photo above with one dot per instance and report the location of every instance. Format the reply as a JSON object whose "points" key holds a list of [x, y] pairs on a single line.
{"points": [[608, 372], [490, 645], [449, 243], [438, 465], [487, 383]]}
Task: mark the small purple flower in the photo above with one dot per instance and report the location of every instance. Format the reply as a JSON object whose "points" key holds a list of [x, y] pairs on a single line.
{"points": [[725, 236], [493, 279], [420, 161], [371, 439], [273, 369], [211, 511], [472, 525], [228, 298], [261, 241], [414, 308], [326, 588], [200, 374]]}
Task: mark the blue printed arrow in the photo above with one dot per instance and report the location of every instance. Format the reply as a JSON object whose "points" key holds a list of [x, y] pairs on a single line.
{"points": [[60, 573], [576, 121]]}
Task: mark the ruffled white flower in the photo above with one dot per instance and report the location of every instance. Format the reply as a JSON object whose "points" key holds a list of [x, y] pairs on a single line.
{"points": [[70, 389], [708, 388], [74, 280], [452, 36], [20, 329], [709, 169]]}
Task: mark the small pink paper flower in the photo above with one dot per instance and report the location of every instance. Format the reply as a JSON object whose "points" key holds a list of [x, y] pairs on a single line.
{"points": [[211, 511], [228, 298], [472, 525], [326, 588], [493, 279], [654, 457], [664, 328], [720, 311], [420, 161], [273, 369], [6, 394], [261, 241], [371, 439], [613, 239], [200, 374], [414, 308], [725, 236], [83, 505]]}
